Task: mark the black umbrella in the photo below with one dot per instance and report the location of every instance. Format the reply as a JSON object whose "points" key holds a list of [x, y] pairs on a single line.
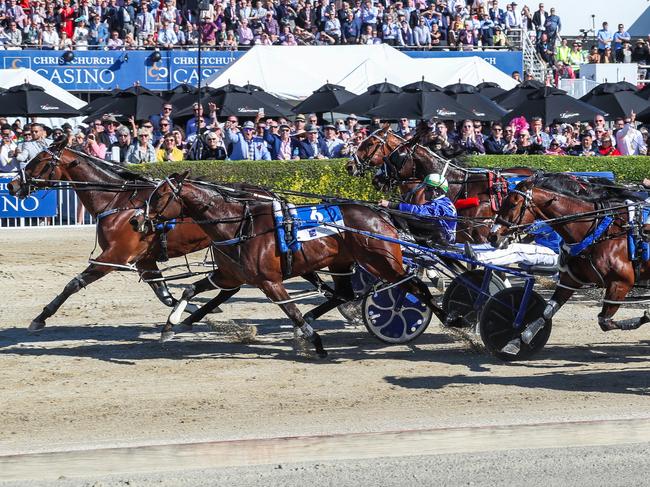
{"points": [[553, 105], [28, 100], [645, 92], [179, 95], [234, 100], [374, 96], [644, 116], [518, 94], [469, 98], [137, 102], [617, 100], [99, 103], [269, 99], [490, 89], [421, 101], [324, 99]]}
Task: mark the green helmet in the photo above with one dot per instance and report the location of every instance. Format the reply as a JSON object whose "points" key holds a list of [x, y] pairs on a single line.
{"points": [[436, 181]]}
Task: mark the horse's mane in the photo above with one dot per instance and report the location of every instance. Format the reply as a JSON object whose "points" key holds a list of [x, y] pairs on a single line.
{"points": [[238, 191], [591, 190], [111, 168]]}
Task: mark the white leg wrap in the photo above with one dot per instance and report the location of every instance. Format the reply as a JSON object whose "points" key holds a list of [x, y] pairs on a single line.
{"points": [[175, 316], [551, 308], [307, 330], [532, 330]]}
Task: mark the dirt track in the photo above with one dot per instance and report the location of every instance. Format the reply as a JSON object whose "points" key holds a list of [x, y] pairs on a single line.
{"points": [[97, 376]]}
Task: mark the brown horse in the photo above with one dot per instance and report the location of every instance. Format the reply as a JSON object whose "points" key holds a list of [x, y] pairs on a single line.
{"points": [[244, 236], [404, 164], [594, 229], [113, 197]]}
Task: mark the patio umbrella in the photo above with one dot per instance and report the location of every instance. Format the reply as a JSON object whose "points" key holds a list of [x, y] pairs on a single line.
{"points": [[180, 95], [421, 101], [137, 102], [645, 92], [324, 99], [29, 100], [99, 102], [269, 99], [469, 98], [375, 95], [644, 116], [234, 100], [617, 100], [518, 94], [490, 89], [553, 105]]}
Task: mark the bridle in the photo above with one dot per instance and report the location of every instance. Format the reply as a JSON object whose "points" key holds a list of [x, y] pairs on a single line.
{"points": [[175, 195], [364, 164], [528, 204], [27, 182]]}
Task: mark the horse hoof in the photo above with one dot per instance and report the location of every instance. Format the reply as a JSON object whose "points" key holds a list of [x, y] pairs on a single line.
{"points": [[165, 336], [36, 326]]}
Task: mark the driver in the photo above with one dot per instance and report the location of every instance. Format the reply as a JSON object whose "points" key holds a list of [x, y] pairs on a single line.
{"points": [[437, 207]]}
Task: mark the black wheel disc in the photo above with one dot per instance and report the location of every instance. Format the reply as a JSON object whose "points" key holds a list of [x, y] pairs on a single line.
{"points": [[497, 321]]}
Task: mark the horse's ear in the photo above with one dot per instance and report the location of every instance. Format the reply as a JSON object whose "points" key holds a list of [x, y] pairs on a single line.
{"points": [[182, 176]]}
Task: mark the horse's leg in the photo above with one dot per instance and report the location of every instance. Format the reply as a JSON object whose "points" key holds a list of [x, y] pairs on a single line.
{"points": [[148, 269], [203, 285], [92, 273], [276, 291], [344, 293], [208, 307], [616, 291]]}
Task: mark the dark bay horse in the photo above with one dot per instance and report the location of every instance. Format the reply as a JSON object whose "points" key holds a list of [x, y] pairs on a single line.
{"points": [[596, 233], [405, 163], [244, 235], [116, 198]]}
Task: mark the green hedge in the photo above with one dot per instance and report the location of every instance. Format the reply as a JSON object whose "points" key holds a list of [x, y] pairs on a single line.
{"points": [[330, 177]]}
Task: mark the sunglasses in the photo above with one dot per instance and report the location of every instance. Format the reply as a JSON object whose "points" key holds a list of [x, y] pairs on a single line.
{"points": [[212, 139], [164, 125]]}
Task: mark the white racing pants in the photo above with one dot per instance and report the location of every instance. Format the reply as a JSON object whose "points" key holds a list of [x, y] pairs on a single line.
{"points": [[515, 253]]}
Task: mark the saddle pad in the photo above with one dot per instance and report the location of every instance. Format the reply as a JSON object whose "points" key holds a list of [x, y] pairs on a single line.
{"points": [[311, 218]]}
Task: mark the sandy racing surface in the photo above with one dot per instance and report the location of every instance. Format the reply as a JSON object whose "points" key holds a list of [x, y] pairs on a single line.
{"points": [[97, 376]]}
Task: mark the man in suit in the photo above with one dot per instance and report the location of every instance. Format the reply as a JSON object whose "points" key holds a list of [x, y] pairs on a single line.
{"points": [[245, 145], [333, 143], [312, 147], [282, 146]]}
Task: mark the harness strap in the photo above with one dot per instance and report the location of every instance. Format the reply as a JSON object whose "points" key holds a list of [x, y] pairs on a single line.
{"points": [[576, 248], [108, 212]]}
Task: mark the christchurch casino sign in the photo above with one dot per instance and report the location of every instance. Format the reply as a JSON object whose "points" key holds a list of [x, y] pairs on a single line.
{"points": [[105, 70]]}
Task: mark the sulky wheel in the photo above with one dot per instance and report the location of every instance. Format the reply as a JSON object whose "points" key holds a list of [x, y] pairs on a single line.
{"points": [[395, 316], [458, 300], [497, 321], [362, 282]]}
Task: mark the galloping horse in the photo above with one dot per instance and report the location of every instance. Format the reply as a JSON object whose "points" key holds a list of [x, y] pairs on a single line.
{"points": [[244, 236], [405, 164], [113, 200], [594, 222]]}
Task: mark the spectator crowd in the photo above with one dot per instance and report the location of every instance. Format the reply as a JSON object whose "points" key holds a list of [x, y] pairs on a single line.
{"points": [[203, 137], [233, 24]]}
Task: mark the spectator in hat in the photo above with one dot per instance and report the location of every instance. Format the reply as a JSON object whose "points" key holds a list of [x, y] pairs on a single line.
{"points": [[81, 34], [169, 151], [142, 151], [299, 124], [554, 148], [513, 17], [606, 147], [245, 145], [312, 147], [500, 39], [108, 136], [351, 122], [281, 145], [332, 141]]}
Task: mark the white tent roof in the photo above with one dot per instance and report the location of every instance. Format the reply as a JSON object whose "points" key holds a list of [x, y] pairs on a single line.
{"points": [[470, 70], [18, 76], [294, 72]]}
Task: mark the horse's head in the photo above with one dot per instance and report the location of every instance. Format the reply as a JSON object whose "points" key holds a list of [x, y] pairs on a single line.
{"points": [[41, 171], [517, 211], [164, 203], [371, 151]]}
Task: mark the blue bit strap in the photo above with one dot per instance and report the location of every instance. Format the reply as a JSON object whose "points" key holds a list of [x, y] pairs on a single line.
{"points": [[576, 248]]}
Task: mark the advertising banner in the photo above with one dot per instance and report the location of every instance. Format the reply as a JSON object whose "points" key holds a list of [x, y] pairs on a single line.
{"points": [[39, 203]]}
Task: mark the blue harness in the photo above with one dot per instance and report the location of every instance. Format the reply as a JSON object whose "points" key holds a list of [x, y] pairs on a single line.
{"points": [[303, 218], [636, 246], [576, 248]]}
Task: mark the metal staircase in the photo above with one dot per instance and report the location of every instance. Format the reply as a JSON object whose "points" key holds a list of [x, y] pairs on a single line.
{"points": [[533, 63]]}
